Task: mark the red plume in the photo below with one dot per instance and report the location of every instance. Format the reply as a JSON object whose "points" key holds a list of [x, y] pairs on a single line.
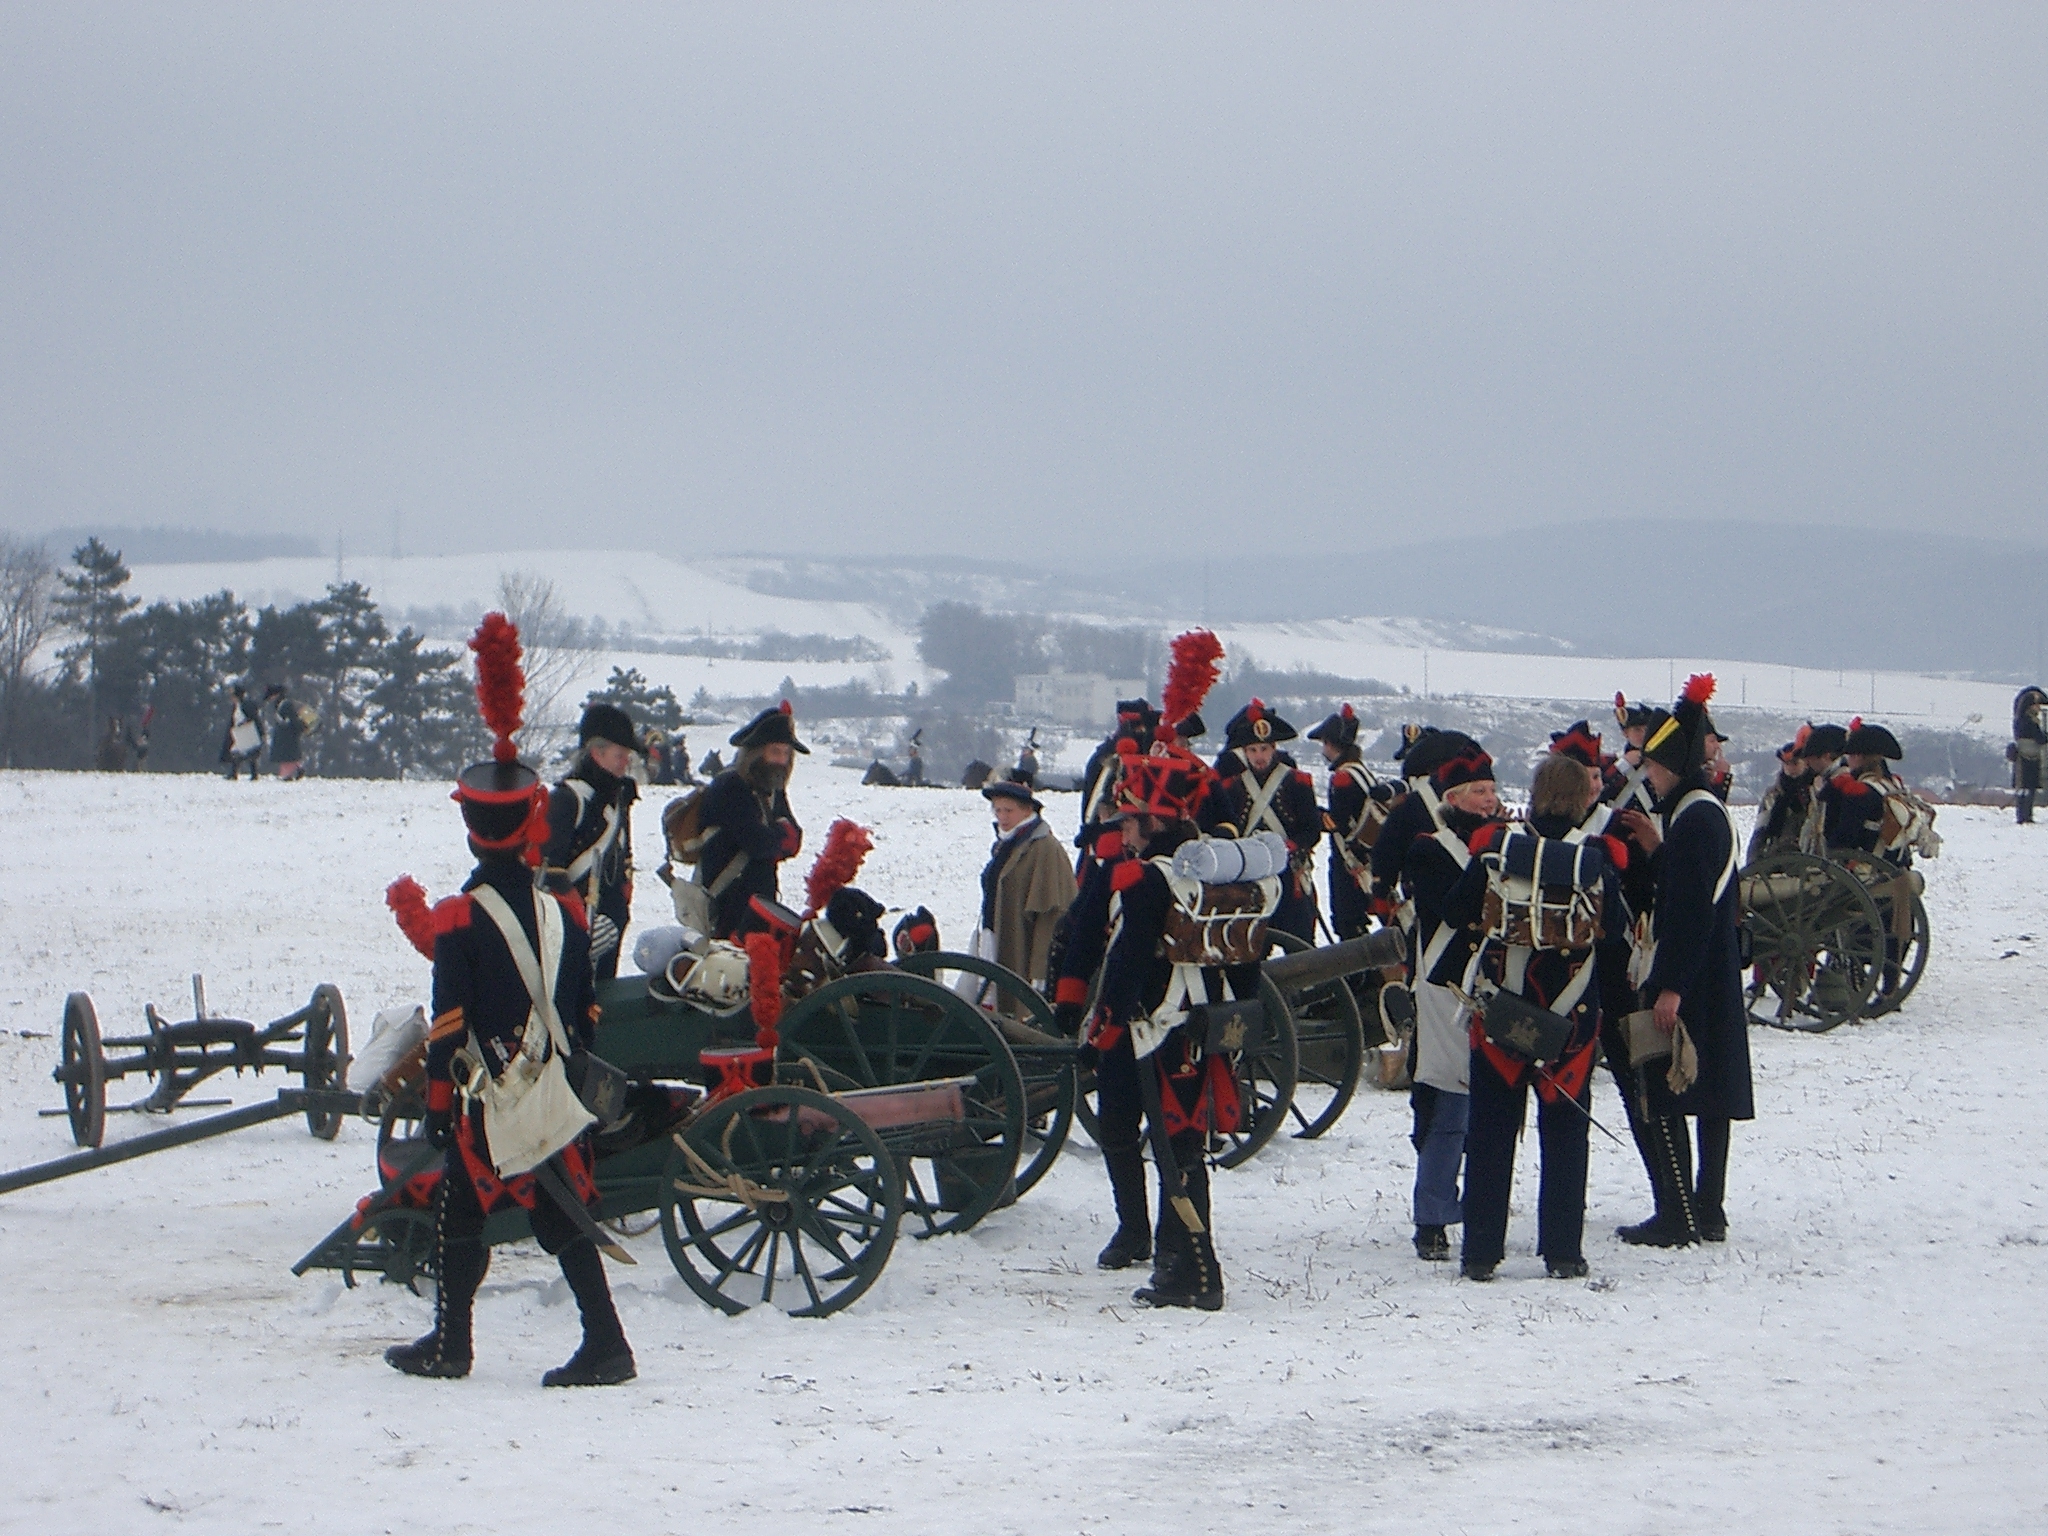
{"points": [[408, 902], [1191, 674], [500, 681], [764, 987], [1256, 710], [1855, 722], [846, 844], [1698, 688]]}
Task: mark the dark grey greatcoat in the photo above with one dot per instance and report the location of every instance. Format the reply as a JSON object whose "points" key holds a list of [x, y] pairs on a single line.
{"points": [[1697, 959]]}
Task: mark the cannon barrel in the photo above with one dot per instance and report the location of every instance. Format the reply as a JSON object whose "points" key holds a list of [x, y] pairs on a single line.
{"points": [[1312, 967]]}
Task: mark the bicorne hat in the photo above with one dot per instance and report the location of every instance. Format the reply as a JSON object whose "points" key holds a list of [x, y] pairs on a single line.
{"points": [[1256, 726], [1866, 740], [1340, 729], [769, 728]]}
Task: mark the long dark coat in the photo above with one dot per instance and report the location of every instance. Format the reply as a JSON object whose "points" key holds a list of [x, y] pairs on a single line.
{"points": [[1697, 959]]}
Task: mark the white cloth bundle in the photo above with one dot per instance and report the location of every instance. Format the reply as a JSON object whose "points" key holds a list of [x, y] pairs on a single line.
{"points": [[653, 950], [1225, 861], [394, 1032]]}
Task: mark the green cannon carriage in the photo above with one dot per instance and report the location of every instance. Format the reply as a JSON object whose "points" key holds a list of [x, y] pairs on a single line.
{"points": [[1831, 939], [893, 1099]]}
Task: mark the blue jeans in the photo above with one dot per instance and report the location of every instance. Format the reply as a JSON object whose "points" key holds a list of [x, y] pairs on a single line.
{"points": [[1439, 1140]]}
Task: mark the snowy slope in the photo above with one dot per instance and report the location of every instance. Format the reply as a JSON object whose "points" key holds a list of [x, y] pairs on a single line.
{"points": [[653, 592], [1863, 1356], [1379, 648]]}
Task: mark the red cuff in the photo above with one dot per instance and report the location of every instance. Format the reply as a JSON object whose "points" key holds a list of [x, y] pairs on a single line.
{"points": [[1072, 989], [440, 1095], [1617, 850]]}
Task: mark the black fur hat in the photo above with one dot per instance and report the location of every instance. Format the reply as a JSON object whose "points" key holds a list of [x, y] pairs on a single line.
{"points": [[607, 722]]}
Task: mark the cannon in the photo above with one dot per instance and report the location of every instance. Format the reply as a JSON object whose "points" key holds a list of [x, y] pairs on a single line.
{"points": [[178, 1057], [1831, 939], [776, 1179]]}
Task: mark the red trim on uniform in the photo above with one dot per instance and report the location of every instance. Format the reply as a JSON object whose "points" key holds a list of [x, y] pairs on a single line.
{"points": [[1126, 875], [1301, 777], [1485, 835], [440, 1095], [1617, 850], [1109, 846], [1849, 784], [1072, 989], [572, 903], [451, 913], [1568, 1077]]}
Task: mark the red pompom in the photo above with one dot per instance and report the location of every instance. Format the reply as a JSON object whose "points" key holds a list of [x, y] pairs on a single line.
{"points": [[1698, 688], [1190, 675], [764, 987], [1855, 722], [500, 681], [1346, 713], [846, 844], [786, 709], [407, 900], [1256, 710]]}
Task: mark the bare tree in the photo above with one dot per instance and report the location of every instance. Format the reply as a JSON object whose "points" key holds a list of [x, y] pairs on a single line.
{"points": [[559, 656], [28, 582]]}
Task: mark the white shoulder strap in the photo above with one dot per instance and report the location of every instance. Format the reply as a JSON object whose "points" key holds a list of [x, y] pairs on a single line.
{"points": [[1259, 814], [1734, 845], [537, 973]]}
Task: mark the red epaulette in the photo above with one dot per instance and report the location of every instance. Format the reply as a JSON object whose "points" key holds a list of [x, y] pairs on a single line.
{"points": [[1109, 846], [451, 913], [1484, 837], [1301, 776], [1849, 784], [1125, 875], [1617, 850], [572, 903]]}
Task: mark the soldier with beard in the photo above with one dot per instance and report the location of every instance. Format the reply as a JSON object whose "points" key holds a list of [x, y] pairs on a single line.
{"points": [[1268, 792], [590, 832], [1135, 721], [748, 826]]}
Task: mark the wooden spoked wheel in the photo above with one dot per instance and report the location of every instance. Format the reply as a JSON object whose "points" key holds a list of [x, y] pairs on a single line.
{"points": [[326, 1053], [1045, 1059], [1817, 942], [1330, 1039], [781, 1197], [887, 1028], [1906, 934], [82, 1069]]}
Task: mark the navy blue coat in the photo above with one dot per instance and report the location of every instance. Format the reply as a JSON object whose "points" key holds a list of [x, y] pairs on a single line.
{"points": [[575, 822], [765, 833], [1405, 823], [477, 989], [1697, 958]]}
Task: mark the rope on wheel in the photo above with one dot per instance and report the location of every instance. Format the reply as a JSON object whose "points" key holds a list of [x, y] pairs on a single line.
{"points": [[736, 1187]]}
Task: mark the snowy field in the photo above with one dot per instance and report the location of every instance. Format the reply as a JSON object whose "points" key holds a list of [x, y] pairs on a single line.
{"points": [[1865, 1354]]}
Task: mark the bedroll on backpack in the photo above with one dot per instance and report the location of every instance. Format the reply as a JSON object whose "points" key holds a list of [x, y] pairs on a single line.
{"points": [[1544, 892], [1222, 925], [682, 823]]}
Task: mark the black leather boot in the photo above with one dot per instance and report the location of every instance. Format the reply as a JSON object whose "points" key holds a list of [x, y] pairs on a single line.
{"points": [[448, 1350], [1132, 1243], [603, 1358], [1187, 1274], [1711, 1183], [1675, 1225]]}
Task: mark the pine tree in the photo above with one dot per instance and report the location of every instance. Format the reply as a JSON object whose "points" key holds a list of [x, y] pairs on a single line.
{"points": [[420, 715], [352, 637], [628, 689], [89, 607]]}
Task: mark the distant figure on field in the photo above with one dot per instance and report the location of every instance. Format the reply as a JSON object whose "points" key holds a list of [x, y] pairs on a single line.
{"points": [[242, 744]]}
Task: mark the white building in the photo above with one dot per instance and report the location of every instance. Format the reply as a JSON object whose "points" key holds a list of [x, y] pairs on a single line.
{"points": [[1074, 698]]}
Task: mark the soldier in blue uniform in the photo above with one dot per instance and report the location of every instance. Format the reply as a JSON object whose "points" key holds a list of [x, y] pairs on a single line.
{"points": [[749, 827], [1695, 976], [1359, 804], [485, 1017], [1268, 792], [590, 832]]}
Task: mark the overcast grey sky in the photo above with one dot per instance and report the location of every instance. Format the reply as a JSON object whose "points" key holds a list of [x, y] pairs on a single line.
{"points": [[1020, 279]]}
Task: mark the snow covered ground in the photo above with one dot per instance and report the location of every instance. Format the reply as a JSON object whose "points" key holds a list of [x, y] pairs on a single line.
{"points": [[1865, 1354]]}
